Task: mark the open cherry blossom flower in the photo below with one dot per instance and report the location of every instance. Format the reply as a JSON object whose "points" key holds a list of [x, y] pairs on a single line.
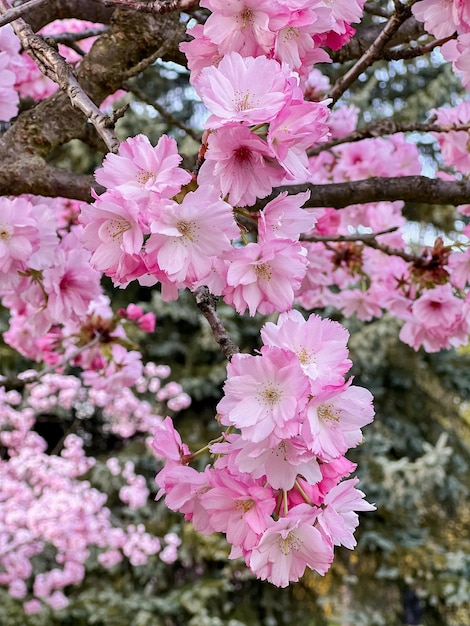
{"points": [[242, 89], [288, 546]]}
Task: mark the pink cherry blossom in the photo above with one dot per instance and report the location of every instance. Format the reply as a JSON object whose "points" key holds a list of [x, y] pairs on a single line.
{"points": [[338, 518], [459, 266], [240, 164], [240, 25], [242, 89], [167, 442], [438, 16], [335, 419], [238, 506], [9, 98], [264, 276], [288, 546], [71, 283], [19, 235], [139, 169], [264, 394], [319, 344], [278, 463], [114, 230], [186, 236], [283, 217], [296, 128], [200, 51]]}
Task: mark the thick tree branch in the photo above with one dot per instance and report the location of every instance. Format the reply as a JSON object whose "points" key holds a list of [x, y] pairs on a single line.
{"points": [[419, 189], [32, 175], [153, 6], [207, 304], [51, 10], [54, 66], [25, 146]]}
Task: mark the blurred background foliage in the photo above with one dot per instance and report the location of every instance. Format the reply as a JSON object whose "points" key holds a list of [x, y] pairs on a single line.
{"points": [[413, 463]]}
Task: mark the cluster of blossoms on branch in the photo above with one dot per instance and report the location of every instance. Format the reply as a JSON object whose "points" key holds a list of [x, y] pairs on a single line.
{"points": [[275, 488]]}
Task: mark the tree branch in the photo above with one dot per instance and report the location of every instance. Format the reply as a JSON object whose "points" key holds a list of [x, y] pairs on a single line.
{"points": [[368, 239], [372, 54], [171, 119], [15, 12], [153, 6], [386, 127], [54, 66], [62, 9], [30, 174], [52, 122], [207, 304], [410, 30], [419, 189], [415, 51]]}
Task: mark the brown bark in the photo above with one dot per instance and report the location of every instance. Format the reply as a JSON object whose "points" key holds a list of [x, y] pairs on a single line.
{"points": [[26, 145]]}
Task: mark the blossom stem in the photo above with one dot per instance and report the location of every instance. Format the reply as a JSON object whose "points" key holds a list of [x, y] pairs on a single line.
{"points": [[299, 488]]}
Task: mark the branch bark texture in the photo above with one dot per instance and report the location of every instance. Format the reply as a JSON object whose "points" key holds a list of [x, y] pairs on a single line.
{"points": [[116, 54], [420, 189]]}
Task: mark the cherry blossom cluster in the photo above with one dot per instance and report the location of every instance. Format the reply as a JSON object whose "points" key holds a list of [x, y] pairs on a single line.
{"points": [[275, 487], [59, 314], [429, 291], [45, 501], [443, 18], [149, 225], [139, 229], [292, 33]]}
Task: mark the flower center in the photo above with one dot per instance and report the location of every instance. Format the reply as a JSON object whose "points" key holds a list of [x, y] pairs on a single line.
{"points": [[271, 395], [290, 33], [291, 542], [244, 505], [245, 17], [242, 154], [305, 357], [328, 412], [263, 271], [244, 101], [116, 228], [5, 232], [143, 177], [187, 229]]}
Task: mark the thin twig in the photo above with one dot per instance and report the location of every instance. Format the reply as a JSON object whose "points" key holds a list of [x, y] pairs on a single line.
{"points": [[70, 38], [207, 304], [14, 13], [171, 119], [369, 240], [416, 51], [145, 63], [387, 127], [54, 66], [401, 14]]}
